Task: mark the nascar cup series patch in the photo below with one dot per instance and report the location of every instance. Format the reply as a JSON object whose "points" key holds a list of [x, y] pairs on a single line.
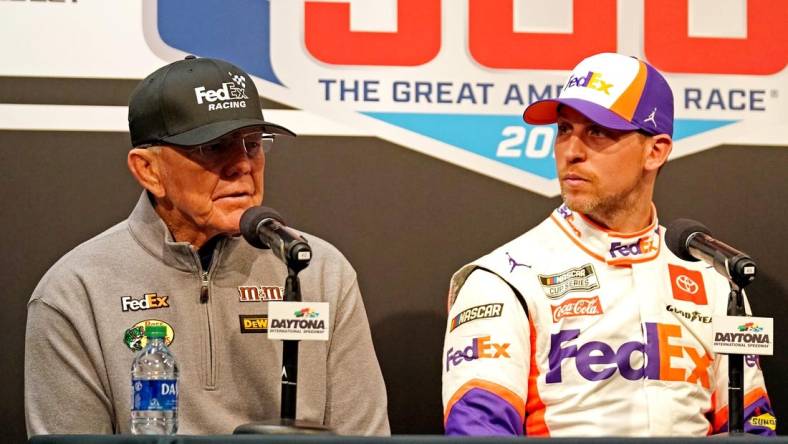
{"points": [[575, 279], [135, 339]]}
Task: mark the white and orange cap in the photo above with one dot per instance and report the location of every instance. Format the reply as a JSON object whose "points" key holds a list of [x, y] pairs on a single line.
{"points": [[615, 91]]}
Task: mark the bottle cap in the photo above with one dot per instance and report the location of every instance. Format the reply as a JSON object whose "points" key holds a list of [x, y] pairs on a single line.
{"points": [[155, 331]]}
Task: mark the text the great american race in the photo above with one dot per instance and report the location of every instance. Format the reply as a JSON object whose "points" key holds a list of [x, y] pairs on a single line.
{"points": [[448, 78], [451, 78]]}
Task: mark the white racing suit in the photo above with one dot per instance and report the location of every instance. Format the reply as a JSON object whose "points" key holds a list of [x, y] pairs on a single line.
{"points": [[573, 330]]}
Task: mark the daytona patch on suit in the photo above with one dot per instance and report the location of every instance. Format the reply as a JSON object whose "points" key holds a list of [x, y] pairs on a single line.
{"points": [[572, 330]]}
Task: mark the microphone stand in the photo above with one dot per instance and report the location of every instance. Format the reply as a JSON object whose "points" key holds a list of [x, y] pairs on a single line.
{"points": [[735, 369], [287, 423]]}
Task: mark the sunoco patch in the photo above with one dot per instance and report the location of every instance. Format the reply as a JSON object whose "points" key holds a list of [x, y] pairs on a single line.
{"points": [[135, 339], [575, 279], [764, 420]]}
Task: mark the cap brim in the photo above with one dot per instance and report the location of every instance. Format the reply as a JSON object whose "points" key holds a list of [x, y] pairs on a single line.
{"points": [[212, 131], [544, 112]]}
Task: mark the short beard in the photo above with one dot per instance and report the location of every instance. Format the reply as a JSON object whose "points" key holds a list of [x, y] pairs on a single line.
{"points": [[604, 209]]}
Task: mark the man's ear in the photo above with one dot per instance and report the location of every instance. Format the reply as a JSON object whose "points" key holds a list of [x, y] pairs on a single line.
{"points": [[659, 149], [145, 166]]}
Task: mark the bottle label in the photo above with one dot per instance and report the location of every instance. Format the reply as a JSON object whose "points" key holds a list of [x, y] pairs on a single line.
{"points": [[154, 394]]}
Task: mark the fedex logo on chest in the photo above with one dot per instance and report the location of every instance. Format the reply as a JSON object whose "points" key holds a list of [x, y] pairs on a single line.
{"points": [[597, 360]]}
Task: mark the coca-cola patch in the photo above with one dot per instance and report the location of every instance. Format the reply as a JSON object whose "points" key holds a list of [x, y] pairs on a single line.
{"points": [[577, 307]]}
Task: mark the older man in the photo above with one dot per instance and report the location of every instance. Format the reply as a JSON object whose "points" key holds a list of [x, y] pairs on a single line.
{"points": [[577, 327], [199, 153]]}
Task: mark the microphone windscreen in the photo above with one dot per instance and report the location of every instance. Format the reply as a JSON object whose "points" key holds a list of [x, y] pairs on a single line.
{"points": [[677, 234], [251, 219]]}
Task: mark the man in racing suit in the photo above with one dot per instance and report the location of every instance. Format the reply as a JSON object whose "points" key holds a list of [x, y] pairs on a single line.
{"points": [[587, 324]]}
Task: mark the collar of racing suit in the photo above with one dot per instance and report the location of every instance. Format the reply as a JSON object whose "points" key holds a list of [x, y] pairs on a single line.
{"points": [[614, 248]]}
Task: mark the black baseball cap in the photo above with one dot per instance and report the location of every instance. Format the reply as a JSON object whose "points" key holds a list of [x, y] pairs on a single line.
{"points": [[194, 101]]}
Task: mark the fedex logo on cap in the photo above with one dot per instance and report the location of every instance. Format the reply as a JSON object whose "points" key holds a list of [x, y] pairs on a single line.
{"points": [[662, 360], [592, 80], [232, 94]]}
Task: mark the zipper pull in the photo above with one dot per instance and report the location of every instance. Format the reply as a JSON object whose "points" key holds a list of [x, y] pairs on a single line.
{"points": [[204, 288]]}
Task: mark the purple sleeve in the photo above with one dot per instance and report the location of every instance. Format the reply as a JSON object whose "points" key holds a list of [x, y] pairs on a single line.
{"points": [[482, 413]]}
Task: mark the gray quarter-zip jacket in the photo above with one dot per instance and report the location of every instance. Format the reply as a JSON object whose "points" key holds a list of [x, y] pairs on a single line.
{"points": [[84, 320]]}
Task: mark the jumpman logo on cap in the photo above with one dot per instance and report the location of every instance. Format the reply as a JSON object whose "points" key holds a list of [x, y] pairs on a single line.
{"points": [[651, 117]]}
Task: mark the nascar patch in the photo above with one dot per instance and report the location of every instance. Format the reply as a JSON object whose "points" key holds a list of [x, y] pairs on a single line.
{"points": [[477, 312], [575, 279]]}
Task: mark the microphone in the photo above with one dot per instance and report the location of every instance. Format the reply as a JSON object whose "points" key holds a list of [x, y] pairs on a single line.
{"points": [[691, 240], [264, 228]]}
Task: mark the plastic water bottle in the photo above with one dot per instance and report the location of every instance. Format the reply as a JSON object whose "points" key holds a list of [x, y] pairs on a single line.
{"points": [[154, 387]]}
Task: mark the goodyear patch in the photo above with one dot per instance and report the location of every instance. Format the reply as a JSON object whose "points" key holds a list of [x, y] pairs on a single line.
{"points": [[477, 312], [254, 323], [575, 279], [765, 420], [135, 339]]}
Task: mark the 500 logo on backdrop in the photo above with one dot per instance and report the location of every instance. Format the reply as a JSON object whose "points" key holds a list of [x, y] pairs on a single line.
{"points": [[450, 78]]}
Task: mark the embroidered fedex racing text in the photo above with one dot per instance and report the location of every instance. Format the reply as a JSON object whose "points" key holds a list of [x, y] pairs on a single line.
{"points": [[597, 360], [592, 80], [480, 348], [230, 95]]}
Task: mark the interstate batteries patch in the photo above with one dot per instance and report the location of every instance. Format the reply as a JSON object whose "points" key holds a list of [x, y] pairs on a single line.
{"points": [[575, 279], [474, 313]]}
